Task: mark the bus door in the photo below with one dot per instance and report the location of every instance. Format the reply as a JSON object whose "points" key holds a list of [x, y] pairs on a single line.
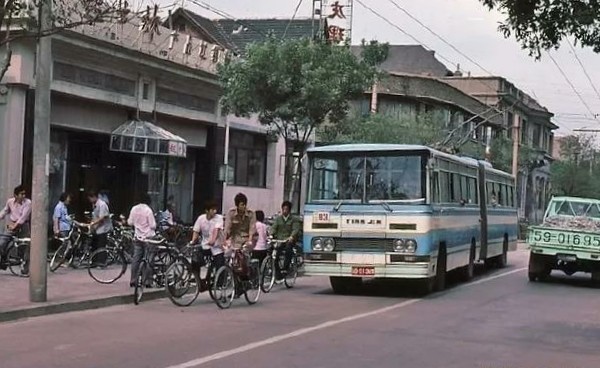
{"points": [[483, 218]]}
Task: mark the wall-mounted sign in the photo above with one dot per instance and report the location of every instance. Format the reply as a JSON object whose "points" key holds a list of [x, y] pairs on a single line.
{"points": [[337, 15]]}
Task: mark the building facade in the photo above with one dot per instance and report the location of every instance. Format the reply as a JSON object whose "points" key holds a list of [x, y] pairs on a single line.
{"points": [[101, 79], [534, 131]]}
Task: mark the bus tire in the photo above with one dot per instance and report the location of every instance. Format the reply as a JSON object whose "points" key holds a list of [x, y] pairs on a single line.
{"points": [[440, 270], [468, 271], [502, 260], [345, 285]]}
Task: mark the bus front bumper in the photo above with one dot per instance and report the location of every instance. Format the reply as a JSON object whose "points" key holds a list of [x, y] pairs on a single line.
{"points": [[403, 270]]}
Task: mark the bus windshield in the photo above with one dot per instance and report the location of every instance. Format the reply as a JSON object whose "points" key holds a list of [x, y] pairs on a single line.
{"points": [[360, 177]]}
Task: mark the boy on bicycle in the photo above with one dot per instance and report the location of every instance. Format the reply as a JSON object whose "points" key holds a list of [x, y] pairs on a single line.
{"points": [[209, 226]]}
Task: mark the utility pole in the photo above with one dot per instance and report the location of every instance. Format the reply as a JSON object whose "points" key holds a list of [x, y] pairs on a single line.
{"points": [[41, 160], [516, 141]]}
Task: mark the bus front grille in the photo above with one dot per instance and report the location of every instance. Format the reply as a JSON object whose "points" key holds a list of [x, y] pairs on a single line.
{"points": [[364, 244]]}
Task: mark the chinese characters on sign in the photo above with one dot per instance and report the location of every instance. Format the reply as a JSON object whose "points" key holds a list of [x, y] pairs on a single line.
{"points": [[338, 20]]}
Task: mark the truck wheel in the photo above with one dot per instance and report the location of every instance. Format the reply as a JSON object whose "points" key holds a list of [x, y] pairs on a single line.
{"points": [[596, 279], [538, 268], [345, 285]]}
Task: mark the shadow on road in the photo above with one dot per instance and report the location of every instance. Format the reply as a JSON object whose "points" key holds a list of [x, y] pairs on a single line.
{"points": [[581, 280], [393, 288]]}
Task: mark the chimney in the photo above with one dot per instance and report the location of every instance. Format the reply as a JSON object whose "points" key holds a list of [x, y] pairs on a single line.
{"points": [[458, 73]]}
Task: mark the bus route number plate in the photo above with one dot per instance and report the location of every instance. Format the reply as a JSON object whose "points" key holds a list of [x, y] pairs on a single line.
{"points": [[321, 217]]}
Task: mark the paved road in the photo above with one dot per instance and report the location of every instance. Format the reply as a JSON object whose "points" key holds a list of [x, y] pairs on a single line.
{"points": [[498, 320]]}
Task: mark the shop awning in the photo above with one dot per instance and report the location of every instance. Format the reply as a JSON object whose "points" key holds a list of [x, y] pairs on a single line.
{"points": [[137, 136]]}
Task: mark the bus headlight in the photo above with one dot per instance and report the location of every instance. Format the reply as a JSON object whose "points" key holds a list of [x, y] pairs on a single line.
{"points": [[317, 244], [328, 244], [399, 245], [411, 245]]}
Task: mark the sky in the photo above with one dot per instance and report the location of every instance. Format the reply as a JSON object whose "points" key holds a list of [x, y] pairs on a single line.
{"points": [[470, 28]]}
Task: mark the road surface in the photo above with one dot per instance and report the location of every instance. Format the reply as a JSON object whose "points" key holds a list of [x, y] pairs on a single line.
{"points": [[498, 320]]}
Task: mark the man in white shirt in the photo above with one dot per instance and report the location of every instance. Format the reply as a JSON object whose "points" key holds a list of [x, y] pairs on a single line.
{"points": [[209, 227], [142, 219]]}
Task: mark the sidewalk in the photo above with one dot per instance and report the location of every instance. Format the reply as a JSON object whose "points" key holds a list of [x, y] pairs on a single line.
{"points": [[68, 290]]}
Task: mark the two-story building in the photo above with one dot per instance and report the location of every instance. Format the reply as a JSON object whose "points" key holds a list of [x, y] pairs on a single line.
{"points": [[131, 112]]}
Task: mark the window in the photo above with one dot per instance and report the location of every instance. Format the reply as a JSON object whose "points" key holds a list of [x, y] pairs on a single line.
{"points": [[176, 98], [145, 90], [93, 79], [248, 157]]}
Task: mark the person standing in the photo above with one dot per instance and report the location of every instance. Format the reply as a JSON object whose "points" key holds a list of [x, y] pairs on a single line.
{"points": [[101, 223], [60, 218], [141, 217], [259, 251], [18, 210], [240, 223]]}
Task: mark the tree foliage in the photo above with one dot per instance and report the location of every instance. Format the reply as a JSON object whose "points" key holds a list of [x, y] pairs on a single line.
{"points": [[294, 85], [542, 24], [577, 173], [19, 19]]}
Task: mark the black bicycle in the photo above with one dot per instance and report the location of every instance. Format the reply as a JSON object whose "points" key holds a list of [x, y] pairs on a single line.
{"points": [[108, 264], [241, 275], [267, 270], [17, 255], [157, 258]]}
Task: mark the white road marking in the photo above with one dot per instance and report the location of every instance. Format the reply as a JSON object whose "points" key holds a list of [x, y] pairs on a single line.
{"points": [[303, 331]]}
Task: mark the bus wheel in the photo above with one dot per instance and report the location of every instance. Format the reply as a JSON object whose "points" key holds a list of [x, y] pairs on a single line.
{"points": [[440, 270], [468, 271], [345, 285], [502, 260]]}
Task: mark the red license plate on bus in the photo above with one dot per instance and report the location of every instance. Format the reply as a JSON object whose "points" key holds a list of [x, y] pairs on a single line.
{"points": [[363, 271]]}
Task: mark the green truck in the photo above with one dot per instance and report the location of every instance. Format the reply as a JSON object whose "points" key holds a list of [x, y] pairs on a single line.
{"points": [[567, 240]]}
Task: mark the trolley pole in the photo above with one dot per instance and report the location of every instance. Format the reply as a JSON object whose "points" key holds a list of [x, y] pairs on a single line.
{"points": [[41, 160]]}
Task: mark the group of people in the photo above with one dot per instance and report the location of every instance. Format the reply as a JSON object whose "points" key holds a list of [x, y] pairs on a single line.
{"points": [[241, 228]]}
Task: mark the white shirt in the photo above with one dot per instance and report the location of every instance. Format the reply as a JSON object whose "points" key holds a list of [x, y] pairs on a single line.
{"points": [[142, 219], [101, 211], [205, 227], [261, 230]]}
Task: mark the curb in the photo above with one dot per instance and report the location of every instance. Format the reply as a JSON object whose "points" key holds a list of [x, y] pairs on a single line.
{"points": [[56, 308]]}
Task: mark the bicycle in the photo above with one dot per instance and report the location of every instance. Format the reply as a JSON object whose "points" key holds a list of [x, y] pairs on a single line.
{"points": [[240, 275], [107, 265], [75, 248], [157, 257], [267, 268], [17, 255], [183, 282]]}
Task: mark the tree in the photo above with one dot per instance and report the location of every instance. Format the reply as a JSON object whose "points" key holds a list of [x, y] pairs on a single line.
{"points": [[18, 19], [542, 24], [576, 173], [294, 86]]}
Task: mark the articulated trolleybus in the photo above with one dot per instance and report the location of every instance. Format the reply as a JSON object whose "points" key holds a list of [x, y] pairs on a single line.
{"points": [[405, 212]]}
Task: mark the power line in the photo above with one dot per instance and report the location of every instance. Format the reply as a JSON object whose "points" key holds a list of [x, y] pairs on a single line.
{"points": [[571, 84], [583, 68], [293, 17], [404, 32], [439, 37]]}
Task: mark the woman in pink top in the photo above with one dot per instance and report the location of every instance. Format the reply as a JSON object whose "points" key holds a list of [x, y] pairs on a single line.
{"points": [[259, 251]]}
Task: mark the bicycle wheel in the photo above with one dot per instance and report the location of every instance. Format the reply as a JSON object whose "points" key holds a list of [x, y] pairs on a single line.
{"points": [[109, 265], [182, 285], [224, 287], [253, 284], [60, 256], [292, 274], [138, 290], [17, 260], [267, 275]]}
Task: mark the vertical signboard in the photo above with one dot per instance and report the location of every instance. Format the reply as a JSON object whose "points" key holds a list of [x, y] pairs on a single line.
{"points": [[337, 17]]}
